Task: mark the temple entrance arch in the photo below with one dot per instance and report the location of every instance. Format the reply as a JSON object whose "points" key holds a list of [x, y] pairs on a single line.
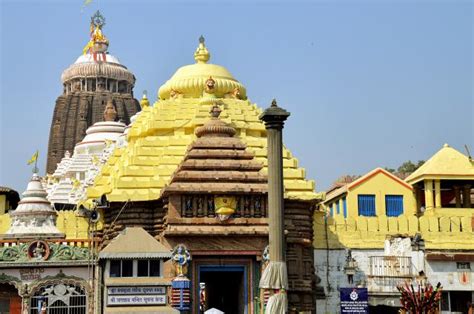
{"points": [[10, 300], [225, 289], [228, 283], [59, 298]]}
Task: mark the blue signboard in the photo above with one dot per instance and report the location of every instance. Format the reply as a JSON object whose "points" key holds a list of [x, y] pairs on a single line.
{"points": [[354, 300]]}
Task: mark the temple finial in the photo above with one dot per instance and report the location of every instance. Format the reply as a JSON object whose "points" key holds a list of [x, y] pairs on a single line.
{"points": [[144, 101], [274, 103], [202, 55], [98, 43], [215, 127]]}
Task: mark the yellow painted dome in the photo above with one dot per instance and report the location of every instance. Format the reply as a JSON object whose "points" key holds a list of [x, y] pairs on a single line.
{"points": [[193, 80]]}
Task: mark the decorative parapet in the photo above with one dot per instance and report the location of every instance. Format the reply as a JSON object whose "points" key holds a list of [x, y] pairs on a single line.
{"points": [[42, 251], [16, 282], [438, 232]]}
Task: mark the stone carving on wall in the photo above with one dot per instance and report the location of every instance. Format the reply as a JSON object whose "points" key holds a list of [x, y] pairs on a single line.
{"points": [[181, 258], [40, 250], [225, 206], [59, 279], [212, 206], [60, 292]]}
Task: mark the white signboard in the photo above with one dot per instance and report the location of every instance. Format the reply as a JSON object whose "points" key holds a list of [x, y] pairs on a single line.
{"points": [[136, 299], [136, 290]]}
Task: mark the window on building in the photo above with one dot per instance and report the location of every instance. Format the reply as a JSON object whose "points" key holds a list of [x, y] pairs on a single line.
{"points": [[463, 265], [148, 268], [344, 207], [142, 268], [394, 205], [366, 204], [121, 268], [331, 210], [338, 207], [115, 266], [127, 268], [154, 268]]}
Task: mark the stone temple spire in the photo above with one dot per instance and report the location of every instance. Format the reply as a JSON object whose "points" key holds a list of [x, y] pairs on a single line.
{"points": [[34, 217], [88, 84]]}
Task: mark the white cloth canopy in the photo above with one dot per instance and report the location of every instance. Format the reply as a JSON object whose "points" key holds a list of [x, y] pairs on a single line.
{"points": [[274, 276], [277, 304]]}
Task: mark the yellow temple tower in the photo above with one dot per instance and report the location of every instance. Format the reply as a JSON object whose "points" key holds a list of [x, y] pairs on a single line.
{"points": [[131, 188]]}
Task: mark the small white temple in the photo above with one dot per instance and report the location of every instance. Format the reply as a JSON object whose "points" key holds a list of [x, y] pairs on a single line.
{"points": [[67, 185], [34, 215]]}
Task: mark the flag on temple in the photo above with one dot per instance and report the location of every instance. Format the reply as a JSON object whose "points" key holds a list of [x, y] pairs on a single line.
{"points": [[33, 158]]}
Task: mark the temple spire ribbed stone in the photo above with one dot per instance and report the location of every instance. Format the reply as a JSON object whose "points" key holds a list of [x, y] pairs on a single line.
{"points": [[88, 85]]}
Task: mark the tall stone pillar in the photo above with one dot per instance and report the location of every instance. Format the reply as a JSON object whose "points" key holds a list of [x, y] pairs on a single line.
{"points": [[437, 185], [275, 275], [429, 194]]}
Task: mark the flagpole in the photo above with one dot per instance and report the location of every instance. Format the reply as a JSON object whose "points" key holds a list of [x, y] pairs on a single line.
{"points": [[35, 169]]}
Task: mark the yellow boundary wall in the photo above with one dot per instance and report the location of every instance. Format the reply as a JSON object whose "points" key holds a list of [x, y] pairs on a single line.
{"points": [[438, 232]]}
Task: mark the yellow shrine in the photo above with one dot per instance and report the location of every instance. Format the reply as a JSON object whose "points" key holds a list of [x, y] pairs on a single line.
{"points": [[159, 137]]}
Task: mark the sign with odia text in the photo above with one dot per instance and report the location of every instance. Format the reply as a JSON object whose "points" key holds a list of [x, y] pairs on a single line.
{"points": [[31, 273]]}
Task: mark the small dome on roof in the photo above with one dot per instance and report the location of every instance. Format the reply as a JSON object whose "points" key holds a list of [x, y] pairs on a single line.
{"points": [[191, 80], [89, 58]]}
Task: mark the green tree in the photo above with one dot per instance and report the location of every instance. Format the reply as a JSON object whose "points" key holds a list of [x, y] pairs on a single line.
{"points": [[409, 167]]}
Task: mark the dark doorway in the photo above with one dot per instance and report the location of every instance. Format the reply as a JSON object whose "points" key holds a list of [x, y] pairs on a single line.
{"points": [[225, 288], [460, 301], [10, 301]]}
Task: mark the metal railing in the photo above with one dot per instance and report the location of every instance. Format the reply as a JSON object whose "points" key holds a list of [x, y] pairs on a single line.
{"points": [[390, 266]]}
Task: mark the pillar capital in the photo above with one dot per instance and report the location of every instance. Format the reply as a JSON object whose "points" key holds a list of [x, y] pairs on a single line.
{"points": [[274, 116]]}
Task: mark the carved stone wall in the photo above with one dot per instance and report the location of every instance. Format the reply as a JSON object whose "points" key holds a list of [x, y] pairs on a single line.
{"points": [[299, 256], [75, 112], [147, 215]]}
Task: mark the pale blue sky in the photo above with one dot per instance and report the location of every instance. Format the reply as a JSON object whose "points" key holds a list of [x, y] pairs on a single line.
{"points": [[368, 83]]}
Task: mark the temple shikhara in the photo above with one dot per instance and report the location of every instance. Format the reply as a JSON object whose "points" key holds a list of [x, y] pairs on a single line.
{"points": [[89, 83], [192, 204]]}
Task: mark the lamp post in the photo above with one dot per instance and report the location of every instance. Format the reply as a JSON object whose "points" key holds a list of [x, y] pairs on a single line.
{"points": [[275, 275]]}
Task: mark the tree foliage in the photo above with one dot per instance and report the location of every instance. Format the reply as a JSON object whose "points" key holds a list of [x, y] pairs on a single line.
{"points": [[406, 168]]}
